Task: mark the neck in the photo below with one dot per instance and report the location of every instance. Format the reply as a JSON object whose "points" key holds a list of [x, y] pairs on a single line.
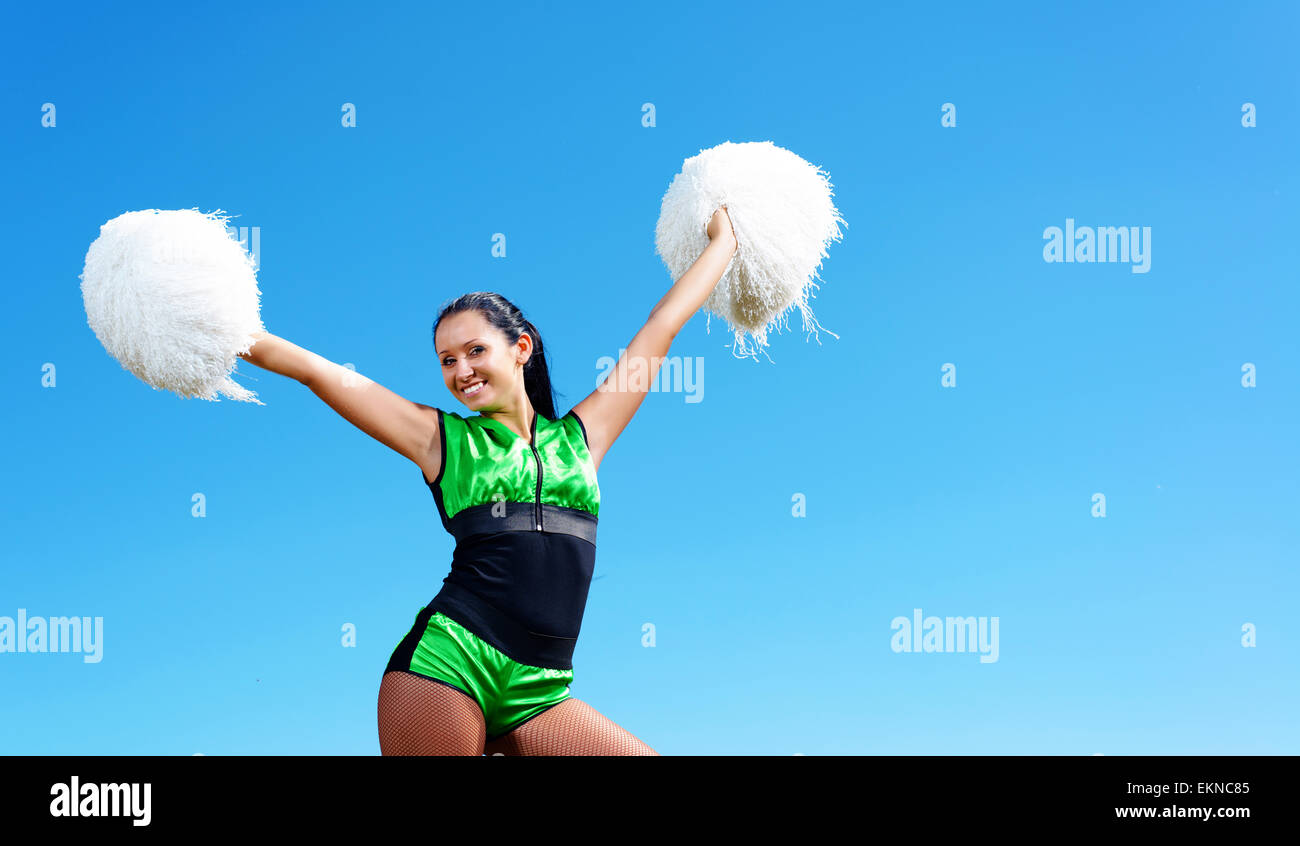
{"points": [[518, 419]]}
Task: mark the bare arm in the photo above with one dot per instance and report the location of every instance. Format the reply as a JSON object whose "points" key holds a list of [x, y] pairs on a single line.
{"points": [[407, 427], [606, 412]]}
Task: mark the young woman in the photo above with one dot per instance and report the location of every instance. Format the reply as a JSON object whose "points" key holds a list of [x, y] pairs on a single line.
{"points": [[486, 667]]}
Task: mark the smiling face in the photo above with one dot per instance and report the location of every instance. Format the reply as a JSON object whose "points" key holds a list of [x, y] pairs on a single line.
{"points": [[475, 354]]}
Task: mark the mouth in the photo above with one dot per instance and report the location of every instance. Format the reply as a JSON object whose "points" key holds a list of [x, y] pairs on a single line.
{"points": [[473, 389]]}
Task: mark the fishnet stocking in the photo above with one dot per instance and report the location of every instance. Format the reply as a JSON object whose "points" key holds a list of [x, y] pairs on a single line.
{"points": [[422, 717], [571, 728]]}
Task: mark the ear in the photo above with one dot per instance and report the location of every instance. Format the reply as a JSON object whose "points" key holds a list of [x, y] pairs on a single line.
{"points": [[524, 348]]}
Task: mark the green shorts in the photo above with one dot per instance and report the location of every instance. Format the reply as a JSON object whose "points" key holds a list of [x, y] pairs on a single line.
{"points": [[441, 649]]}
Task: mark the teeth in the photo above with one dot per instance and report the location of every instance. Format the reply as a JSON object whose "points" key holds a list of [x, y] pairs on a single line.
{"points": [[474, 389]]}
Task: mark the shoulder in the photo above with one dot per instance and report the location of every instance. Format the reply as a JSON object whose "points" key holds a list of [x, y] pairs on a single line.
{"points": [[435, 462], [573, 424]]}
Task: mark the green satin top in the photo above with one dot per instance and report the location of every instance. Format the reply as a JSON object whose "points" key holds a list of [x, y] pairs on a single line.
{"points": [[485, 462]]}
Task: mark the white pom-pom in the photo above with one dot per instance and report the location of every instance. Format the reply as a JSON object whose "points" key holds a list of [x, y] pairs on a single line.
{"points": [[173, 297], [783, 216]]}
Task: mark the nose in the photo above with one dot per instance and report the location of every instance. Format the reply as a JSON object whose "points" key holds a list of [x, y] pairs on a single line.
{"points": [[463, 372]]}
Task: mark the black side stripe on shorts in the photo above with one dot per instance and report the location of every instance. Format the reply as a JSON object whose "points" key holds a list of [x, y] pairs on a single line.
{"points": [[405, 651]]}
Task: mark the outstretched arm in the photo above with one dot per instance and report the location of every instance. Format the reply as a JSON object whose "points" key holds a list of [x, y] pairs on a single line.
{"points": [[608, 410], [409, 428]]}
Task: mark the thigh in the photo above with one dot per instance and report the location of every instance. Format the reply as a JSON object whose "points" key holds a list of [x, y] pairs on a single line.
{"points": [[570, 728], [421, 716]]}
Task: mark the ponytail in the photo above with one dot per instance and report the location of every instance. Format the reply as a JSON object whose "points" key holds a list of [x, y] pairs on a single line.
{"points": [[537, 376]]}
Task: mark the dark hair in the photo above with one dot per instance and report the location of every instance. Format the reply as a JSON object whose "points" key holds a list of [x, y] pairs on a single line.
{"points": [[504, 315]]}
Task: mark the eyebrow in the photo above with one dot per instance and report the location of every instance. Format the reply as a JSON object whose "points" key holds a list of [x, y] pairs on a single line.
{"points": [[467, 343]]}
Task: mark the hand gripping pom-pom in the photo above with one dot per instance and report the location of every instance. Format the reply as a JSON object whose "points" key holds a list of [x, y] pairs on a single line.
{"points": [[784, 218], [173, 297]]}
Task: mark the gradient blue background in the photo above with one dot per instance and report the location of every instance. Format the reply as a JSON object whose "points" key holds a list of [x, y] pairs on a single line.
{"points": [[1118, 635]]}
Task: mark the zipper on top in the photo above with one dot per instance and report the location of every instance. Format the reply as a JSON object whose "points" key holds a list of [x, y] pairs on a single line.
{"points": [[533, 447]]}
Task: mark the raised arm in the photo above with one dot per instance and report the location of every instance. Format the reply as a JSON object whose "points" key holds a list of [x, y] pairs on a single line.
{"points": [[608, 410], [407, 427]]}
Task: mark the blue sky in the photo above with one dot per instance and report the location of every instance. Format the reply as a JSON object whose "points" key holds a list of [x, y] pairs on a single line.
{"points": [[1119, 634]]}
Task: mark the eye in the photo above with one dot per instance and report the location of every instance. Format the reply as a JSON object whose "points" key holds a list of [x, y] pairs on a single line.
{"points": [[476, 349]]}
